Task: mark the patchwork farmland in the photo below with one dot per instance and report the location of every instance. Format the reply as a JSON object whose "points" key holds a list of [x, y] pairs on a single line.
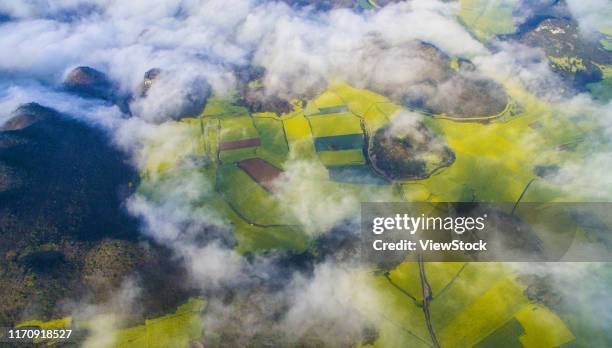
{"points": [[252, 159]]}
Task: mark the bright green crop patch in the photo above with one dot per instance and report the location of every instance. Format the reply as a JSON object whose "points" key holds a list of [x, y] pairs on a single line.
{"points": [[506, 336], [222, 107], [359, 101], [235, 155], [335, 124], [487, 150], [543, 328], [271, 133], [254, 238], [342, 157], [299, 136], [249, 199], [172, 330], [484, 315], [328, 101], [237, 128], [274, 144]]}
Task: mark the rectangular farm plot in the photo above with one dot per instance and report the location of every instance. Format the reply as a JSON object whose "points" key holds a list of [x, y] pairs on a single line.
{"points": [[335, 124], [239, 144], [237, 128], [261, 171], [297, 128], [339, 142], [271, 133], [250, 200], [253, 238], [299, 136], [235, 155], [342, 157], [274, 146], [488, 313], [238, 139]]}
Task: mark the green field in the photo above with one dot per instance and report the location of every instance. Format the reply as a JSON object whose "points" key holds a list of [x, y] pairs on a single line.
{"points": [[488, 18]]}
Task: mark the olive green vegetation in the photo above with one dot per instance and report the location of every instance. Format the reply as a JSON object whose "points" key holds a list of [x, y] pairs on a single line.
{"points": [[257, 206], [177, 329], [274, 147], [602, 90], [173, 330], [488, 18], [571, 64], [237, 128], [339, 142]]}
